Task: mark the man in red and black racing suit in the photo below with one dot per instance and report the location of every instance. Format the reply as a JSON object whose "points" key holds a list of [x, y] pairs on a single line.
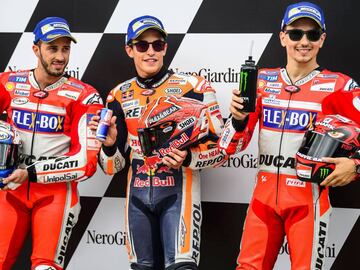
{"points": [[163, 209], [289, 100], [51, 112]]}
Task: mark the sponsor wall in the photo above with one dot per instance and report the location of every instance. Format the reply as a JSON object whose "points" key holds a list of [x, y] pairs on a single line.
{"points": [[208, 39]]}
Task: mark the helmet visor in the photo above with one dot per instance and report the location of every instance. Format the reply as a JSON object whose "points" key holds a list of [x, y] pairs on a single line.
{"points": [[8, 155], [319, 145], [153, 138]]}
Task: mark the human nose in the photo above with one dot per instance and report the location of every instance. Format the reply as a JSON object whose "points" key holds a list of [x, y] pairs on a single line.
{"points": [[60, 55], [304, 39], [150, 50]]}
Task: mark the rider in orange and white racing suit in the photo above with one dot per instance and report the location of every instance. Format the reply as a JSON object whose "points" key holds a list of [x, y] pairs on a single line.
{"points": [[281, 204], [58, 150], [163, 206], [173, 194]]}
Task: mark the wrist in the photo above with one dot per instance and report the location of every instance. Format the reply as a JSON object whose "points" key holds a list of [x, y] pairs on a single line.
{"points": [[239, 125], [357, 165]]}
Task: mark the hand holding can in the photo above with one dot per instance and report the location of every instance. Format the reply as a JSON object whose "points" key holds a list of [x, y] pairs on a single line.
{"points": [[104, 123]]}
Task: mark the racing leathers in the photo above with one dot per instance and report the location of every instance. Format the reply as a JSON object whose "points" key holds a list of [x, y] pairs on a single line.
{"points": [[345, 103], [282, 204], [162, 203], [58, 150]]}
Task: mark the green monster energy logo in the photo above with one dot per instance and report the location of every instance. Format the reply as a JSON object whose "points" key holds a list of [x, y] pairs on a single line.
{"points": [[324, 172], [243, 80]]}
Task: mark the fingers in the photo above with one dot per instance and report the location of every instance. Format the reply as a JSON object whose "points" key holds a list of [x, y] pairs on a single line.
{"points": [[94, 122], [329, 160], [181, 153], [113, 120], [11, 178], [336, 179], [168, 161], [236, 106], [175, 158], [18, 176], [343, 174]]}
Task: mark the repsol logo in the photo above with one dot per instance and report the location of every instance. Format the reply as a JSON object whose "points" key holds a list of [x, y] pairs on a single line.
{"points": [[61, 165], [209, 162], [42, 122], [244, 161], [68, 228], [278, 118], [133, 113], [196, 216], [277, 161], [118, 238]]}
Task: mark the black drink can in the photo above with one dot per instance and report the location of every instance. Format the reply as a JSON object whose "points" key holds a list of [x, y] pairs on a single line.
{"points": [[248, 85]]}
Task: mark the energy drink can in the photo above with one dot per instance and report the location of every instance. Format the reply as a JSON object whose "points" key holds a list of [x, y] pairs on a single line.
{"points": [[248, 85], [104, 123]]}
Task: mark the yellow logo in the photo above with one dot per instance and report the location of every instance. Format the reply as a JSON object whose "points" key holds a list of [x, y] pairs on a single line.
{"points": [[51, 36], [9, 86]]}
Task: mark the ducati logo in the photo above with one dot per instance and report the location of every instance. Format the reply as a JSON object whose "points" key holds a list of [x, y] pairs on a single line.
{"points": [[41, 94]]}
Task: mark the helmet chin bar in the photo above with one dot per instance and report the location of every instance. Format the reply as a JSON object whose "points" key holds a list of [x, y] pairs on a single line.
{"points": [[332, 136]]}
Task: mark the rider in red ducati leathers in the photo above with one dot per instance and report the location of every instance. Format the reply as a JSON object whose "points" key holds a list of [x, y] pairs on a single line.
{"points": [[289, 100], [51, 111]]}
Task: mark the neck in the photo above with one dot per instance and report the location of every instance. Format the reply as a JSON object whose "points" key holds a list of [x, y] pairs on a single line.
{"points": [[297, 71], [43, 79], [149, 81]]}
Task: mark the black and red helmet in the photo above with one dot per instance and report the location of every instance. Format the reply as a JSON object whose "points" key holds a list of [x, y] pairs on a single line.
{"points": [[172, 122], [331, 136]]}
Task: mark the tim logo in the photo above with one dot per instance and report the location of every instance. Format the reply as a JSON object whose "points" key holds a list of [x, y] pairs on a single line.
{"points": [[277, 118], [19, 79], [269, 78], [41, 122]]}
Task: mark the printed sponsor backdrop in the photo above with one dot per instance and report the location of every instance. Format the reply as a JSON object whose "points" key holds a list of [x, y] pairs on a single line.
{"points": [[210, 38]]}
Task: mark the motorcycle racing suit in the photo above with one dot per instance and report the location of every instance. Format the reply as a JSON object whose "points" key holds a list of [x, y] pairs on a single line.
{"points": [[164, 203], [345, 103], [58, 150], [282, 204]]}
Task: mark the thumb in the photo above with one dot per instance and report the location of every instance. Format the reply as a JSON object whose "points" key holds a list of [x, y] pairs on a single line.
{"points": [[329, 160], [113, 120]]}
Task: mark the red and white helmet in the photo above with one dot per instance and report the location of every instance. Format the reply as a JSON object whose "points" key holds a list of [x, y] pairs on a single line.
{"points": [[331, 136], [172, 122]]}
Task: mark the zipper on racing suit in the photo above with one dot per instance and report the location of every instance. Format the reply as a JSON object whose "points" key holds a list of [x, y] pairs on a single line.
{"points": [[281, 138], [33, 138]]}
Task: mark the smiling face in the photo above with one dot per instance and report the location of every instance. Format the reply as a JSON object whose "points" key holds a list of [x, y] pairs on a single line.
{"points": [[150, 62], [303, 51], [53, 56]]}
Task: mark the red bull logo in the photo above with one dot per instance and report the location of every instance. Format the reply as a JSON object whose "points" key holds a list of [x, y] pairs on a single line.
{"points": [[169, 181], [150, 165], [174, 144], [164, 169]]}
